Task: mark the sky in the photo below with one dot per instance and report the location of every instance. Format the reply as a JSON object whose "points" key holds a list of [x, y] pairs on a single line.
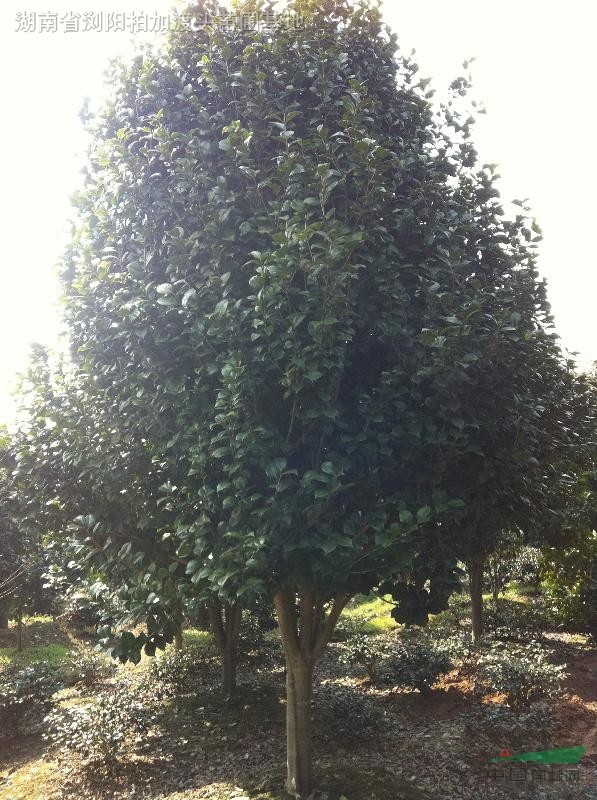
{"points": [[535, 72]]}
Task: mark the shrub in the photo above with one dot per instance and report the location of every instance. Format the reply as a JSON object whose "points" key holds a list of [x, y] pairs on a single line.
{"points": [[349, 626], [528, 565], [510, 727], [81, 611], [259, 645], [510, 619], [459, 610], [26, 695], [179, 671], [87, 669], [572, 597], [417, 662], [458, 647], [366, 651], [343, 713], [89, 607], [98, 732], [523, 673]]}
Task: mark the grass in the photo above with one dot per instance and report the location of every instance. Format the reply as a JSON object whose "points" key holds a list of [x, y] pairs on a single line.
{"points": [[519, 591], [196, 638], [43, 640], [37, 619], [55, 654], [371, 614], [516, 592]]}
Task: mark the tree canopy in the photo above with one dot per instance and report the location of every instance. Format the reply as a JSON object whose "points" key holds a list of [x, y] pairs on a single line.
{"points": [[298, 291]]}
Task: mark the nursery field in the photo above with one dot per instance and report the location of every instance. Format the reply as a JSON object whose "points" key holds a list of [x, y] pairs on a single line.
{"points": [[399, 714]]}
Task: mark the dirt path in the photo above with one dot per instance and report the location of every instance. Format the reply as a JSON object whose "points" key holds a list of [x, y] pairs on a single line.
{"points": [[578, 712]]}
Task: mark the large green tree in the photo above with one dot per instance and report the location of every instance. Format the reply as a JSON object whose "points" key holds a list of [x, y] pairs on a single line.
{"points": [[287, 272]]}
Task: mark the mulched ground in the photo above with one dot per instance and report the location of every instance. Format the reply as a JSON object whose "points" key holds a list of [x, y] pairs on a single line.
{"points": [[206, 748]]}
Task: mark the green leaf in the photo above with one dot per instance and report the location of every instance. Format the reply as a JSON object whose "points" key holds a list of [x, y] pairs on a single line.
{"points": [[424, 515], [188, 296], [275, 468]]}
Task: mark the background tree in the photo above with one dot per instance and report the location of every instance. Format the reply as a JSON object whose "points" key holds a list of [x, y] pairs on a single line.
{"points": [[12, 567], [569, 543], [105, 499], [23, 562], [526, 448]]}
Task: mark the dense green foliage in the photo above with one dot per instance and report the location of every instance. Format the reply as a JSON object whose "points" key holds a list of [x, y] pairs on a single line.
{"points": [[295, 281], [366, 651], [180, 671], [417, 662], [311, 357], [98, 733], [95, 488], [25, 696], [24, 560], [523, 673]]}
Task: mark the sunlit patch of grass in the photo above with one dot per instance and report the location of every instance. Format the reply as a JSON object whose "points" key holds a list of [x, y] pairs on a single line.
{"points": [[37, 619], [196, 638], [516, 593], [371, 614], [521, 592], [35, 780], [192, 637], [55, 654]]}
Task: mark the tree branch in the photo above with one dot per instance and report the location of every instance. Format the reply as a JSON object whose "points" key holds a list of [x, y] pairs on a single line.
{"points": [[328, 628], [287, 624]]}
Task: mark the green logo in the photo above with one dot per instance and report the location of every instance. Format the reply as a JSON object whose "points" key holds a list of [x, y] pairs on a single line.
{"points": [[563, 755]]}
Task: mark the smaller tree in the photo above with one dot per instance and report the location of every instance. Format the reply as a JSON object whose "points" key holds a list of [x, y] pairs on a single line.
{"points": [[108, 504], [22, 586]]}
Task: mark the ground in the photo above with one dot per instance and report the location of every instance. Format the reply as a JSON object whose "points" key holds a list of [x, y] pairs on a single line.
{"points": [[208, 748]]}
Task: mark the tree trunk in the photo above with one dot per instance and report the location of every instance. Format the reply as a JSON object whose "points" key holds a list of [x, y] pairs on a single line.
{"points": [[299, 689], [178, 640], [20, 630], [476, 591], [537, 581], [3, 620], [493, 568], [495, 587], [305, 631], [225, 623], [229, 671]]}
